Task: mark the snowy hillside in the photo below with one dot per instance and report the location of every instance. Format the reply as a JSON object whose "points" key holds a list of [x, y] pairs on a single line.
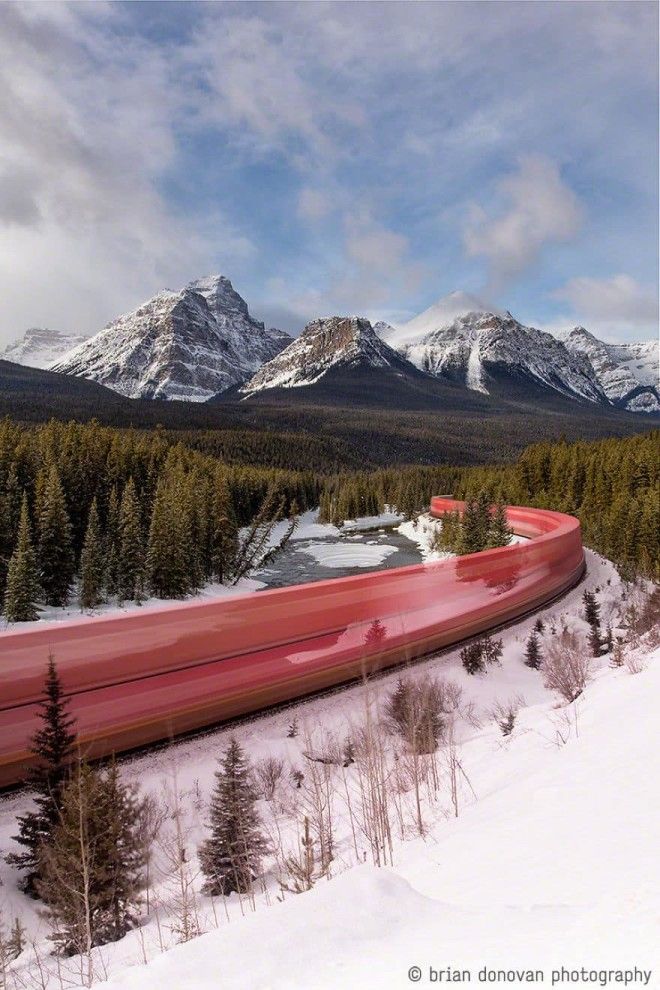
{"points": [[331, 343], [39, 347], [533, 850], [187, 345], [479, 346], [628, 373], [551, 867]]}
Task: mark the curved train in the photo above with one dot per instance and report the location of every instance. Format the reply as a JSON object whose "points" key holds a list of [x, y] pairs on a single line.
{"points": [[152, 674]]}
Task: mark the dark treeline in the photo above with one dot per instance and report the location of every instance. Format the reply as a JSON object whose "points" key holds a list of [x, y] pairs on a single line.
{"points": [[611, 485], [128, 513], [124, 513]]}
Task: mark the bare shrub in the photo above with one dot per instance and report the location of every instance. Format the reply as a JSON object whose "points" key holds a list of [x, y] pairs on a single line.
{"points": [[506, 712], [269, 772], [301, 870], [634, 662], [567, 665]]}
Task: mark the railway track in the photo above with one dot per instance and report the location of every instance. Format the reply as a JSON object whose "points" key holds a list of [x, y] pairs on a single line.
{"points": [[140, 678]]}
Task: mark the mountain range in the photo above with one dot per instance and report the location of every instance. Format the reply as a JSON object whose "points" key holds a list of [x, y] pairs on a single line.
{"points": [[202, 343]]}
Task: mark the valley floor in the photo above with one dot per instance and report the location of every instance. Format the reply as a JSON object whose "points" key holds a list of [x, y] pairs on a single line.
{"points": [[534, 851]]}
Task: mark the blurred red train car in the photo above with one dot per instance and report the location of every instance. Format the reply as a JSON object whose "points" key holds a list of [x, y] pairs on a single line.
{"points": [[152, 674]]}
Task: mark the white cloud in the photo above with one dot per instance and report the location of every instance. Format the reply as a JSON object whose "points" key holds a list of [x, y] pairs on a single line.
{"points": [[616, 303], [313, 204], [87, 129], [538, 209]]}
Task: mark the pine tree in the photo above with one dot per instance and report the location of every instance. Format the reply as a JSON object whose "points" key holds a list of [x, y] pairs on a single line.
{"points": [[230, 858], [22, 591], [472, 658], [55, 546], [595, 641], [533, 656], [224, 531], [93, 863], [539, 626], [591, 608], [168, 548], [52, 748], [500, 531], [470, 529], [592, 616], [131, 563], [111, 544], [92, 563], [491, 649]]}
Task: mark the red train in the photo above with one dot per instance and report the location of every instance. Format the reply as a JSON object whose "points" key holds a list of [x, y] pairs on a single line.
{"points": [[149, 675]]}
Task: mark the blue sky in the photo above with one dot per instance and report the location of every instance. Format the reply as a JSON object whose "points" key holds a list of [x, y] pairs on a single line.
{"points": [[331, 158]]}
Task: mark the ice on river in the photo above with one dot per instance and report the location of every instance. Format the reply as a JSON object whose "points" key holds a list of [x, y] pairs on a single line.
{"points": [[336, 555]]}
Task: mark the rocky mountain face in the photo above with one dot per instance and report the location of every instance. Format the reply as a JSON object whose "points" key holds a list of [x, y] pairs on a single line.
{"points": [[627, 373], [325, 345], [489, 351], [186, 345], [39, 347]]}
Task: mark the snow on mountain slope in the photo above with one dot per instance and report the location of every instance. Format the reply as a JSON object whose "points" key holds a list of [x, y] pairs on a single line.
{"points": [[441, 314], [477, 345], [628, 373], [39, 347], [333, 342], [187, 345], [554, 866]]}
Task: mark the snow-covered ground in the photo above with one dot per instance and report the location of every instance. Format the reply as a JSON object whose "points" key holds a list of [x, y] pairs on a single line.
{"points": [[544, 857]]}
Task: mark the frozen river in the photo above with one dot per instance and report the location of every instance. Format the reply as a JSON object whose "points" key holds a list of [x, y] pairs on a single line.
{"points": [[338, 555]]}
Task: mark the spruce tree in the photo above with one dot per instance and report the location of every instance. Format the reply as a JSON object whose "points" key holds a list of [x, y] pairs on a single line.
{"points": [[168, 550], [52, 748], [533, 651], [500, 531], [470, 529], [592, 616], [55, 547], [224, 532], [472, 658], [111, 544], [230, 858], [92, 563], [591, 608], [93, 863], [131, 562], [491, 649], [22, 590]]}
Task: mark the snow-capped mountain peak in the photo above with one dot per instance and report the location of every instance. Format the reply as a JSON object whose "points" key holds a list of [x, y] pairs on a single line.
{"points": [[463, 340], [441, 314], [188, 345], [324, 344], [39, 347], [628, 373]]}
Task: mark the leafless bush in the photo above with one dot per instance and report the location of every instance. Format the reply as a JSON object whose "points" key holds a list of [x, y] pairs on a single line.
{"points": [[370, 811], [180, 878], [301, 870], [567, 665], [634, 662], [506, 712], [268, 773]]}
